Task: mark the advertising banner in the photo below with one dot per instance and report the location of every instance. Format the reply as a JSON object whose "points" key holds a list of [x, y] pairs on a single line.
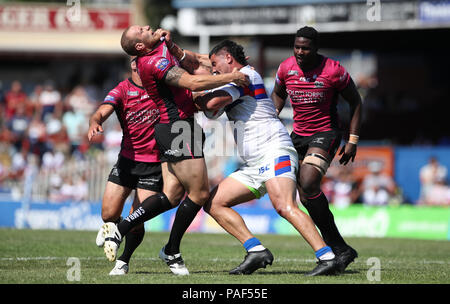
{"points": [[402, 222], [355, 221]]}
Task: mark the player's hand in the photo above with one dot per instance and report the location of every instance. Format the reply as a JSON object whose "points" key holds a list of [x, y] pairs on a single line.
{"points": [[94, 130], [166, 35], [240, 79], [161, 34], [348, 153]]}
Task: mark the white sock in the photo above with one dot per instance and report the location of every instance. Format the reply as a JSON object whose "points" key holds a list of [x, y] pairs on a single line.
{"points": [[257, 248], [327, 256]]}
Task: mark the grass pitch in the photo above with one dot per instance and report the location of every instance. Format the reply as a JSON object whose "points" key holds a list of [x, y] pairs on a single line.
{"points": [[42, 257]]}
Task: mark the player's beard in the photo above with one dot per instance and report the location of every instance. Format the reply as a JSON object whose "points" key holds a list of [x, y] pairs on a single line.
{"points": [[151, 41]]}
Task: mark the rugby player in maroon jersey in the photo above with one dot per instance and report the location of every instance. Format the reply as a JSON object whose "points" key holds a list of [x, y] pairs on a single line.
{"points": [[313, 83], [170, 87]]}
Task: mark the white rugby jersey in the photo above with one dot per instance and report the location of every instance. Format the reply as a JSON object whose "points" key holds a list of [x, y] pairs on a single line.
{"points": [[257, 128]]}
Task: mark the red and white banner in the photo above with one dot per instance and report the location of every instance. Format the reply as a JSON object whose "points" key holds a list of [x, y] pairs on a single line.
{"points": [[62, 18]]}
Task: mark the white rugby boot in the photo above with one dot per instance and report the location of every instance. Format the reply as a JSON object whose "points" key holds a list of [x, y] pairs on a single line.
{"points": [[121, 268], [112, 240], [100, 239], [175, 262]]}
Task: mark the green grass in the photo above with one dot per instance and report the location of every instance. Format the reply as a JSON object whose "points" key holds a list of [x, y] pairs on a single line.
{"points": [[30, 256]]}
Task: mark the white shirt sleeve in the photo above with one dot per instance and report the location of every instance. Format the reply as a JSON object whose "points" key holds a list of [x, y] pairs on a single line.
{"points": [[232, 89]]}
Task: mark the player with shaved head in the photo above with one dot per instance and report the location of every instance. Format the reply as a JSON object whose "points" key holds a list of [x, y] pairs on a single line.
{"points": [[164, 71]]}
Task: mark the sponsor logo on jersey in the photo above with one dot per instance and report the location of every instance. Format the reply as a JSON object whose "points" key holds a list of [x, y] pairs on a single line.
{"points": [[133, 93], [150, 181], [109, 98], [173, 152], [142, 116], [318, 84], [318, 140], [115, 171], [292, 72], [162, 63]]}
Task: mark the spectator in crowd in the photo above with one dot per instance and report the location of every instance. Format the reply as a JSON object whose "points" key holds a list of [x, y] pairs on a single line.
{"points": [[18, 125], [344, 189], [14, 98], [73, 188], [79, 102], [75, 125], [52, 160], [49, 100], [3, 174], [37, 135], [33, 99], [433, 179], [57, 137], [377, 188], [113, 142], [18, 164], [81, 188]]}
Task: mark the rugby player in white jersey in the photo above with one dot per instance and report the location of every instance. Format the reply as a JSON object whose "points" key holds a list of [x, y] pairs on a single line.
{"points": [[271, 163]]}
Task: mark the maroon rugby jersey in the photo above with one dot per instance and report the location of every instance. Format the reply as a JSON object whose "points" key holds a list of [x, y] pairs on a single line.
{"points": [[174, 103], [137, 114], [313, 94]]}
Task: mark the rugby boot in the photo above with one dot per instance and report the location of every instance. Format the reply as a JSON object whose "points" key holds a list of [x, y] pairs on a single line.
{"points": [[253, 261], [121, 268], [112, 240], [345, 257], [175, 262], [324, 267]]}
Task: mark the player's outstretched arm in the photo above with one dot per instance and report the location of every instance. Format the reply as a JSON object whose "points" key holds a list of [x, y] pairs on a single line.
{"points": [[97, 119], [352, 96], [179, 77], [279, 96]]}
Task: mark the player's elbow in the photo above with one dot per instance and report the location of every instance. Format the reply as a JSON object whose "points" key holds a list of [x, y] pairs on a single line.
{"points": [[214, 104]]}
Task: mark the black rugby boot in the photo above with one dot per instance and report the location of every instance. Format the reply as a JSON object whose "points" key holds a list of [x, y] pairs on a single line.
{"points": [[345, 257], [327, 267], [253, 261]]}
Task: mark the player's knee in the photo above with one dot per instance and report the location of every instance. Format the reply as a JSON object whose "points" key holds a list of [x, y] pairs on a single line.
{"points": [[309, 184], [214, 207], [109, 216], [175, 198], [284, 210], [200, 197], [310, 188], [207, 207]]}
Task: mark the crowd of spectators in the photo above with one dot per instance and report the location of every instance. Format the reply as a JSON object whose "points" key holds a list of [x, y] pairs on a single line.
{"points": [[375, 189], [50, 127]]}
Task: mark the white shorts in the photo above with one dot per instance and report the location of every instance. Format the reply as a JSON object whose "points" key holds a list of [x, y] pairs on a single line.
{"points": [[281, 162]]}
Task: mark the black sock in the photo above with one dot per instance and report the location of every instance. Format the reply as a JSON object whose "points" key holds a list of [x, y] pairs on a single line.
{"points": [[320, 213], [149, 208], [185, 215], [132, 240]]}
